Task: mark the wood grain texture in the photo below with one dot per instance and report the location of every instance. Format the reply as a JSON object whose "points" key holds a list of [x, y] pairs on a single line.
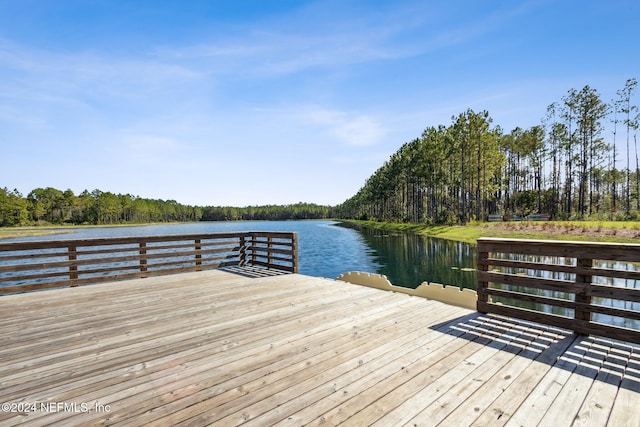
{"points": [[245, 348]]}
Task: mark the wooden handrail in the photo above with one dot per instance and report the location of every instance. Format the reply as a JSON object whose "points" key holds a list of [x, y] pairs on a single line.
{"points": [[37, 265], [581, 286]]}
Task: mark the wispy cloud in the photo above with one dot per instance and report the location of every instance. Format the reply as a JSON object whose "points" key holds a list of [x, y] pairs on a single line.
{"points": [[320, 35], [272, 53], [88, 73], [350, 128]]}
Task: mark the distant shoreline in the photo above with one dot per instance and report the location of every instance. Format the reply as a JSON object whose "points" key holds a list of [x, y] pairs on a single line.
{"points": [[45, 230], [600, 231], [49, 229]]}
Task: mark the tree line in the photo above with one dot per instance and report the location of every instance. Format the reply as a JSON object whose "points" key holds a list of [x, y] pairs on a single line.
{"points": [[267, 212], [470, 168], [52, 206]]}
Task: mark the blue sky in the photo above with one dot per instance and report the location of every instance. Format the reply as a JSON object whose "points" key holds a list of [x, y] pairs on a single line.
{"points": [[257, 102]]}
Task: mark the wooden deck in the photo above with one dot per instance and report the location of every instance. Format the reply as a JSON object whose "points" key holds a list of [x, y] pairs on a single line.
{"points": [[225, 348]]}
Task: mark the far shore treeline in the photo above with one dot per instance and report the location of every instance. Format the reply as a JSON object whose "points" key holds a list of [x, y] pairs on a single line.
{"points": [[449, 175], [53, 206]]}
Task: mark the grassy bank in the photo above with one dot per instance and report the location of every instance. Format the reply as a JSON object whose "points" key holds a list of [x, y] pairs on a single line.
{"points": [[8, 233], [595, 231]]}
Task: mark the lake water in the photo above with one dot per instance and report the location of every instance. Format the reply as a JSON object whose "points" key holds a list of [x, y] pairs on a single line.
{"points": [[327, 249]]}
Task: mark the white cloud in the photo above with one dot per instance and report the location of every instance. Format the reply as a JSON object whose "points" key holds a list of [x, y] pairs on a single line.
{"points": [[44, 76], [360, 130], [316, 35], [352, 129]]}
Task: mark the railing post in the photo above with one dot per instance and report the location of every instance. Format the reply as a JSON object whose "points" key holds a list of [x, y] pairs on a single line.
{"points": [[243, 250], [73, 267], [198, 247], [481, 289], [143, 259], [583, 297], [294, 249], [253, 245], [269, 254]]}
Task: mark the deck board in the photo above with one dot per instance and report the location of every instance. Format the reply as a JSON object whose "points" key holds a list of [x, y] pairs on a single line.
{"points": [[249, 348]]}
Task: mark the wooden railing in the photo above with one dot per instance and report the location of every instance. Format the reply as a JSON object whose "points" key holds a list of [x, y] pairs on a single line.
{"points": [[590, 288], [29, 266]]}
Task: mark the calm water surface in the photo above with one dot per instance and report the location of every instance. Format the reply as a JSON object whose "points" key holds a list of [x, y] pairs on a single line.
{"points": [[410, 259], [327, 249]]}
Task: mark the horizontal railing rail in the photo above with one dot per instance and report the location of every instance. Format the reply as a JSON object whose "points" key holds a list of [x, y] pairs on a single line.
{"points": [[37, 265], [589, 288]]}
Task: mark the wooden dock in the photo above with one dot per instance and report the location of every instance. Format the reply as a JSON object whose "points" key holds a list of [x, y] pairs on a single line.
{"points": [[245, 347]]}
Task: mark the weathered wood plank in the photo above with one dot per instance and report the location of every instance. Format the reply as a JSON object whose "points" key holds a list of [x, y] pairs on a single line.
{"points": [[625, 406], [431, 366], [153, 333], [361, 372], [224, 349], [268, 405], [599, 401], [535, 406], [464, 401], [565, 408], [274, 364], [513, 387], [318, 402], [434, 403], [124, 394]]}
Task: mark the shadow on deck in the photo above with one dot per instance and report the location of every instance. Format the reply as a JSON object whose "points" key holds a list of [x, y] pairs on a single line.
{"points": [[614, 362], [254, 272]]}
